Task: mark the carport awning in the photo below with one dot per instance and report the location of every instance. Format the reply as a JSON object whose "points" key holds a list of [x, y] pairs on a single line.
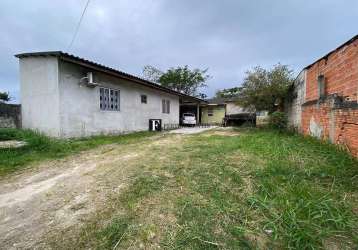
{"points": [[191, 101]]}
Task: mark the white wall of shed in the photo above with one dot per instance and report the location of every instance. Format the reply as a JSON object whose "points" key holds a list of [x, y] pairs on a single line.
{"points": [[232, 108]]}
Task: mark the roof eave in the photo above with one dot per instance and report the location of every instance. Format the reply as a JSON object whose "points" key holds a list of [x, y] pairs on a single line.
{"points": [[108, 70], [332, 51]]}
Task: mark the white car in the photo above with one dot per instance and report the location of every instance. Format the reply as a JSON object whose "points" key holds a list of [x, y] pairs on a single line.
{"points": [[188, 119]]}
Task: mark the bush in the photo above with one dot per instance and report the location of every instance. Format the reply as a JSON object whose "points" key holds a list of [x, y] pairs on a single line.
{"points": [[8, 134], [278, 120]]}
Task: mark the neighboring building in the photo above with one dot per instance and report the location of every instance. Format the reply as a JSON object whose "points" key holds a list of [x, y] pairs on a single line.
{"points": [[330, 107], [10, 115], [224, 111], [262, 118], [66, 96], [213, 112]]}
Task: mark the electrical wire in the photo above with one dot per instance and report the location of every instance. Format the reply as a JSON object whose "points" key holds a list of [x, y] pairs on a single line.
{"points": [[78, 27]]}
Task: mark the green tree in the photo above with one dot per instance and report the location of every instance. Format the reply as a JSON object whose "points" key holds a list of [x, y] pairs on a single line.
{"points": [[230, 92], [265, 89], [5, 97], [151, 73], [201, 96], [181, 79]]}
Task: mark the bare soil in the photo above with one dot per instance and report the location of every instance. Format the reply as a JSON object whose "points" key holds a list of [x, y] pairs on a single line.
{"points": [[12, 144], [59, 194]]}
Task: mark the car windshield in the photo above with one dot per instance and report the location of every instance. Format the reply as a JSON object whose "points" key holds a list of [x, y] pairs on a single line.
{"points": [[188, 114]]}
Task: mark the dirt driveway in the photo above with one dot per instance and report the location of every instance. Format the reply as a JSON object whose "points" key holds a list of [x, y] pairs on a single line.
{"points": [[58, 194], [191, 130]]}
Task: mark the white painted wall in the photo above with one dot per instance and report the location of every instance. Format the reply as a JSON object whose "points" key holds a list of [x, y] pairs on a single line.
{"points": [[80, 113], [54, 103], [232, 108], [40, 94], [294, 106]]}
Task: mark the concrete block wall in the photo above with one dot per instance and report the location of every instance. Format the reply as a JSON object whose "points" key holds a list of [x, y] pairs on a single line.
{"points": [[293, 107], [334, 117]]}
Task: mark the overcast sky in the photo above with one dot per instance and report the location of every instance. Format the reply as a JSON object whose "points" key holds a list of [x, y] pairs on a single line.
{"points": [[226, 36]]}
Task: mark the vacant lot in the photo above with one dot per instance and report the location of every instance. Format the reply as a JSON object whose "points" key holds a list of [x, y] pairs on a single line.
{"points": [[221, 189]]}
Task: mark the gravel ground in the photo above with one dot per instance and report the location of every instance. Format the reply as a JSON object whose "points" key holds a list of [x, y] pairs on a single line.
{"points": [[191, 130]]}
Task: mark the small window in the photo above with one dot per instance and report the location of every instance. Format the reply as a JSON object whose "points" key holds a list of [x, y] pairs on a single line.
{"points": [[166, 106], [143, 99], [210, 111], [108, 99], [321, 86]]}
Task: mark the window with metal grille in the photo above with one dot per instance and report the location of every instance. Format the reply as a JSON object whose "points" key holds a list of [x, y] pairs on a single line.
{"points": [[143, 99], [109, 99], [166, 106]]}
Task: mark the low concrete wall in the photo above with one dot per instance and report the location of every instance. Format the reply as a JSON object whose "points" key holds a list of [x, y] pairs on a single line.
{"points": [[10, 115]]}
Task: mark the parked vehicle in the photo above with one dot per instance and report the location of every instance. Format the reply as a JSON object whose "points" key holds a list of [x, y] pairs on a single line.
{"points": [[188, 119]]}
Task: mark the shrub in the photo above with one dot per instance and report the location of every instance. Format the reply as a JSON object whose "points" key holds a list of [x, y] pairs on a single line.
{"points": [[278, 120]]}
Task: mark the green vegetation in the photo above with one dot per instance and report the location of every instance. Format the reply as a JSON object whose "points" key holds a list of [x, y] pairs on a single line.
{"points": [[40, 147], [262, 89], [226, 189], [181, 79], [227, 93], [278, 120], [5, 97], [257, 189]]}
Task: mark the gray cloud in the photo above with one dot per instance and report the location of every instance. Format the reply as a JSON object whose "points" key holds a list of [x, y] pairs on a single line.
{"points": [[226, 36]]}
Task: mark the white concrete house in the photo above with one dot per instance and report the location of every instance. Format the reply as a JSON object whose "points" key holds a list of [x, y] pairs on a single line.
{"points": [[66, 96]]}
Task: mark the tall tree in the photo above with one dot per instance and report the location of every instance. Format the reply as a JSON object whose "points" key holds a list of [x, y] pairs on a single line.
{"points": [[5, 97], [181, 79], [151, 73], [230, 92], [265, 89]]}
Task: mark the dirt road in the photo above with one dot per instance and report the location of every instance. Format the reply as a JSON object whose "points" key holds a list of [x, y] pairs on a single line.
{"points": [[61, 193]]}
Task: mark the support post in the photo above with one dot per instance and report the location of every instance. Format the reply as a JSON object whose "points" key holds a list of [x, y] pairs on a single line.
{"points": [[198, 114]]}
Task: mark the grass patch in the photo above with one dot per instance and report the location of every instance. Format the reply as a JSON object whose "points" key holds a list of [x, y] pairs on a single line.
{"points": [[261, 189], [40, 147], [257, 190]]}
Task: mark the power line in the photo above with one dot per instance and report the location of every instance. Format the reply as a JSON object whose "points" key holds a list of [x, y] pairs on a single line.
{"points": [[78, 27]]}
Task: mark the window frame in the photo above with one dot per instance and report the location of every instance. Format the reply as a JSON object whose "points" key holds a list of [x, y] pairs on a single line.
{"points": [[321, 83], [107, 93], [165, 106], [210, 111], [143, 99]]}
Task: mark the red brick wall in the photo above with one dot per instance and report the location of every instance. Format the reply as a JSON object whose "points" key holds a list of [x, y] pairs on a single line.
{"points": [[340, 125], [346, 132], [341, 73]]}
